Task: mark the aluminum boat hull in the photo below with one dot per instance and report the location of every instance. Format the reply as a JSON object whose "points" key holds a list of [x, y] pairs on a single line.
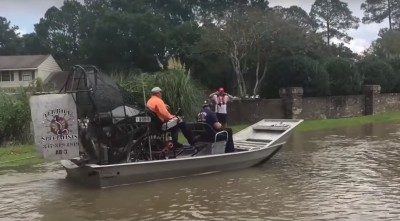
{"points": [[255, 153]]}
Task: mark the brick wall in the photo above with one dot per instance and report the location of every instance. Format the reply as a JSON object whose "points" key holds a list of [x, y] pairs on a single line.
{"points": [[292, 104]]}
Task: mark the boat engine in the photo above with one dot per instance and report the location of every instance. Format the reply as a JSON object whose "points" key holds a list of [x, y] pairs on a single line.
{"points": [[108, 125]]}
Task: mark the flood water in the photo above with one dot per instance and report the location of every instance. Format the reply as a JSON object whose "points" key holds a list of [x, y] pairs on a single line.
{"points": [[344, 174]]}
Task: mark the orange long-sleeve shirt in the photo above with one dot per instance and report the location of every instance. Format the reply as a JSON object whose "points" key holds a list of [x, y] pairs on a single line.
{"points": [[158, 106]]}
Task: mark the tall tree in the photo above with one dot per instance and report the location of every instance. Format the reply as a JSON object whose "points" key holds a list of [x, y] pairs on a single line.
{"points": [[136, 33], [379, 10], [31, 44], [238, 39], [216, 11], [60, 30], [334, 18], [296, 16], [387, 45], [9, 41]]}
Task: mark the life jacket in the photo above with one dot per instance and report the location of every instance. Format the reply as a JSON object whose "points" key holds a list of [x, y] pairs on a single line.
{"points": [[222, 99]]}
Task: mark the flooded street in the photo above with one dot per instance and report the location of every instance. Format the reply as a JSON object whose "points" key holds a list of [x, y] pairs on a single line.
{"points": [[343, 174]]}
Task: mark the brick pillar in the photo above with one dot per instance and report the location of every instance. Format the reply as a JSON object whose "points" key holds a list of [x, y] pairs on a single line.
{"points": [[292, 98], [371, 93]]}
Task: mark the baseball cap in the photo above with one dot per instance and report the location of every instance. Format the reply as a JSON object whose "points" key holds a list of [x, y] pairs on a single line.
{"points": [[207, 103], [156, 89]]}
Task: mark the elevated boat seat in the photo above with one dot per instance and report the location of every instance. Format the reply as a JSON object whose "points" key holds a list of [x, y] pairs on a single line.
{"points": [[158, 126]]}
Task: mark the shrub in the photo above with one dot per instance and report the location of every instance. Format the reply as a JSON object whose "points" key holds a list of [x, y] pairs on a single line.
{"points": [[298, 71], [395, 63], [15, 117], [377, 71], [179, 89], [344, 77]]}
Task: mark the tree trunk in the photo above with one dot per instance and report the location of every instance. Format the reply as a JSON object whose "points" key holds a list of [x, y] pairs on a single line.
{"points": [[327, 32], [259, 82], [390, 15], [239, 82], [236, 68], [236, 63], [244, 90]]}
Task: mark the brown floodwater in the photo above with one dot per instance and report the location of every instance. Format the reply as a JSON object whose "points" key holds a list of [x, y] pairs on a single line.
{"points": [[343, 174]]}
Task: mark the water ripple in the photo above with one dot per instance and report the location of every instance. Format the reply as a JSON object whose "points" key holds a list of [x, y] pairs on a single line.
{"points": [[346, 174]]}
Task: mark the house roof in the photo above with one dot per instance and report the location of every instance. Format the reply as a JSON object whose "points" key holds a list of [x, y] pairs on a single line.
{"points": [[21, 61]]}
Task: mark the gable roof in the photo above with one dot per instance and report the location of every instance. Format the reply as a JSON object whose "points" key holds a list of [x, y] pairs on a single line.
{"points": [[21, 61]]}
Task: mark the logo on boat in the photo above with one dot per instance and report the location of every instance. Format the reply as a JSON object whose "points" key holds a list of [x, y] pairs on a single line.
{"points": [[57, 122]]}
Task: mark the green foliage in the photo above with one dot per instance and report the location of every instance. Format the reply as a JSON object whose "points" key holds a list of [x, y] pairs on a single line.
{"points": [[179, 89], [9, 42], [388, 44], [296, 16], [38, 85], [334, 17], [235, 45], [343, 76], [379, 10], [212, 71], [377, 71], [244, 37], [59, 31], [395, 64], [298, 71], [15, 117]]}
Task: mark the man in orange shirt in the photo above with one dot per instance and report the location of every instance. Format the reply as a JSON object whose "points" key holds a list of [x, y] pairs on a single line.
{"points": [[157, 105]]}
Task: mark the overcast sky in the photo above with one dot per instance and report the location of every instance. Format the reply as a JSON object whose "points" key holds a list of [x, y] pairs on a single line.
{"points": [[26, 13]]}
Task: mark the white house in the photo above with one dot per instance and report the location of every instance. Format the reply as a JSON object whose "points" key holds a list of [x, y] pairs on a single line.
{"points": [[21, 70]]}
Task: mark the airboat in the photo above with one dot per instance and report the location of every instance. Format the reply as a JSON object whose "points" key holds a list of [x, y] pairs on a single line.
{"points": [[104, 138]]}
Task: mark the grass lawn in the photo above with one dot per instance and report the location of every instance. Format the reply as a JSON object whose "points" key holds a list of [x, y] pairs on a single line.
{"points": [[25, 155], [313, 125]]}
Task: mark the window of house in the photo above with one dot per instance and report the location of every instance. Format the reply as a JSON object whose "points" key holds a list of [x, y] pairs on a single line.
{"points": [[6, 76], [27, 77]]}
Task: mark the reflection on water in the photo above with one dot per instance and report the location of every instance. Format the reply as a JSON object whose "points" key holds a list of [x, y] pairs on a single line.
{"points": [[344, 174]]}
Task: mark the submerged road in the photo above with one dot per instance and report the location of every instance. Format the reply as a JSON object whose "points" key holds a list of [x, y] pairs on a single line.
{"points": [[343, 174]]}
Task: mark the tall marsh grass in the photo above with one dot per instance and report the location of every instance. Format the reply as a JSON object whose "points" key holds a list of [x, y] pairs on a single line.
{"points": [[180, 90]]}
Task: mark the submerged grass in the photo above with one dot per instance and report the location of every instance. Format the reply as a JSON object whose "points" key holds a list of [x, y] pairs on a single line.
{"points": [[25, 155]]}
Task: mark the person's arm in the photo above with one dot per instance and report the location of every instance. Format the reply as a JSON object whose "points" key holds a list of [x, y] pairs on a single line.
{"points": [[162, 110], [232, 98], [217, 125], [212, 94]]}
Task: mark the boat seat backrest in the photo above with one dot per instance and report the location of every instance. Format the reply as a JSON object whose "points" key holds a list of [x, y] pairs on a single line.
{"points": [[159, 127], [203, 131], [156, 123]]}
